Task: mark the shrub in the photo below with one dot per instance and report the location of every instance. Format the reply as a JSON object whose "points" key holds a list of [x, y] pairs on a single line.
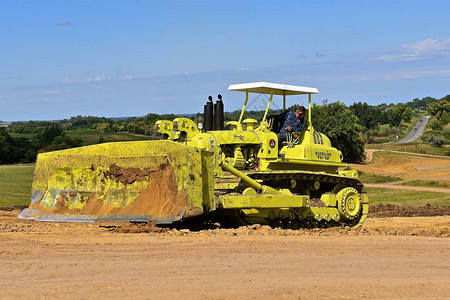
{"points": [[437, 125], [436, 141]]}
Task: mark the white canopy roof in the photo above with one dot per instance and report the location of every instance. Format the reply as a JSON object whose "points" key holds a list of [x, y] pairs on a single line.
{"points": [[276, 88]]}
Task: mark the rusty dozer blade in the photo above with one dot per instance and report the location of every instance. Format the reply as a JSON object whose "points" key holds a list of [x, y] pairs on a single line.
{"points": [[158, 181]]}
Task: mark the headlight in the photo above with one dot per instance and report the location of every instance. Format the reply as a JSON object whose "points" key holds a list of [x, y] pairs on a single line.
{"points": [[200, 126]]}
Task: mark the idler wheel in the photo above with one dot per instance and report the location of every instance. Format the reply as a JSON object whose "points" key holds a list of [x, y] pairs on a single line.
{"points": [[349, 203]]}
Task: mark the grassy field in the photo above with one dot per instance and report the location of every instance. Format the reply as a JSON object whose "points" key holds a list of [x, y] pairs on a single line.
{"points": [[25, 135], [387, 196], [413, 148], [15, 187], [90, 136], [426, 183], [376, 178]]}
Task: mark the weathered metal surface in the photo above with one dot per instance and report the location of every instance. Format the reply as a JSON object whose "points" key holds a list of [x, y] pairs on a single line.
{"points": [[262, 201], [161, 181]]}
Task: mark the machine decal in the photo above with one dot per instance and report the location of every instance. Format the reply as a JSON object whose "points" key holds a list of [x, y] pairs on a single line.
{"points": [[272, 143], [323, 155], [241, 137]]}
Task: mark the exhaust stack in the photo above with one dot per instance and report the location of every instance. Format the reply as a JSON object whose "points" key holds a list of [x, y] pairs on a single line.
{"points": [[208, 118], [218, 113]]}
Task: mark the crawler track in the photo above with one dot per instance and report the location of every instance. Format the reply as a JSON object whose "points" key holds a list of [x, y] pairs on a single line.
{"points": [[317, 215]]}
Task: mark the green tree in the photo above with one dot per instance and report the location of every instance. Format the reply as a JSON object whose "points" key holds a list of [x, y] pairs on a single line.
{"points": [[6, 147], [368, 116], [437, 125], [48, 134], [104, 127], [62, 142], [15, 150], [398, 113], [338, 122], [407, 113], [439, 108]]}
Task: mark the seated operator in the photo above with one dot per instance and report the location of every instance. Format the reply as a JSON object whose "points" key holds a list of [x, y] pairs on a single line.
{"points": [[293, 122]]}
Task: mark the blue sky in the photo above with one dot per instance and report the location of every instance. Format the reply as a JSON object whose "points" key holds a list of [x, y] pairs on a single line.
{"points": [[129, 58]]}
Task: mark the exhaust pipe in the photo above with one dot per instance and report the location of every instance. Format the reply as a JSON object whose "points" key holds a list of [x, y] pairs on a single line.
{"points": [[218, 113], [208, 115], [213, 114]]}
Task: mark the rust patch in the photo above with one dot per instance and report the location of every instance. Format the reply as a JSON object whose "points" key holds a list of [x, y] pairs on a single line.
{"points": [[130, 175], [161, 198], [60, 203]]}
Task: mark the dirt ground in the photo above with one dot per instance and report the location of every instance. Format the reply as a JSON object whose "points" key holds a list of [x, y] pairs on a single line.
{"points": [[408, 167], [390, 257]]}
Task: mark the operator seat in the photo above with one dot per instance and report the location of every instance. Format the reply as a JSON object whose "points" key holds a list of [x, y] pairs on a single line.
{"points": [[277, 121]]}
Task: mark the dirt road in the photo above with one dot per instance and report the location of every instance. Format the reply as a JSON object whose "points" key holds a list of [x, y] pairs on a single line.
{"points": [[390, 257]]}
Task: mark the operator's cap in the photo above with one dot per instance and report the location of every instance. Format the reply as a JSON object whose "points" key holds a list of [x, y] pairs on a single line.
{"points": [[301, 108]]}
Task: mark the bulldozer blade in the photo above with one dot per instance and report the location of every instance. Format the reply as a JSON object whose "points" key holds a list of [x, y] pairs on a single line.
{"points": [[158, 181]]}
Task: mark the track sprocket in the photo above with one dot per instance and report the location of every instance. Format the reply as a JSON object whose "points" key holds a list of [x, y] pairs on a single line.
{"points": [[349, 203]]}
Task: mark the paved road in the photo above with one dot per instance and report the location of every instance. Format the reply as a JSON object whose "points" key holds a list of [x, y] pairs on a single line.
{"points": [[415, 132]]}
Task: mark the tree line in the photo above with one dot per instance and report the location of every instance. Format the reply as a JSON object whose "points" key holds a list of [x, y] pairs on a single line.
{"points": [[24, 150]]}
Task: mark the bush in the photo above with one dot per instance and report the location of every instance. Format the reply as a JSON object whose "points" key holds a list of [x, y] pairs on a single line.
{"points": [[390, 131], [436, 141], [437, 125], [445, 118]]}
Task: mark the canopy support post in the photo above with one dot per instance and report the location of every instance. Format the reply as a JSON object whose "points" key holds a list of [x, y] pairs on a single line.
{"points": [[243, 108], [268, 106]]}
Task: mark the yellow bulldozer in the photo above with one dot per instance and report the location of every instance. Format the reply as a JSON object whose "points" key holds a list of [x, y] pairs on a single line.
{"points": [[235, 170]]}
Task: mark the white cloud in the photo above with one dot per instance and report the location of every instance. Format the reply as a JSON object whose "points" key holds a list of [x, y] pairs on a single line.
{"points": [[57, 91], [93, 78], [418, 74], [427, 48], [88, 78]]}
